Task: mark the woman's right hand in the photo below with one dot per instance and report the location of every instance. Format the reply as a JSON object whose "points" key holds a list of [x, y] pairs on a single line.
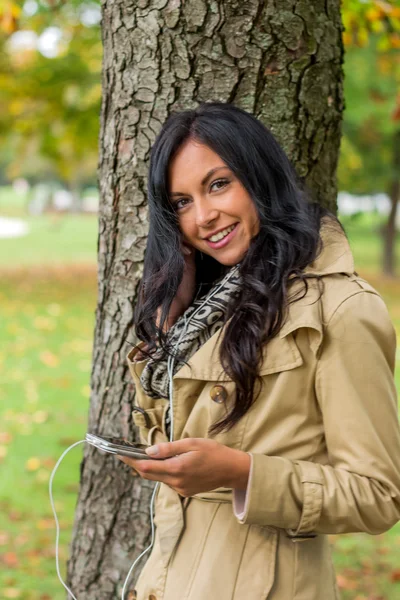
{"points": [[186, 289]]}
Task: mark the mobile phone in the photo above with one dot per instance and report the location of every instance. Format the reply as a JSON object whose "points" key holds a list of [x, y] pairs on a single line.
{"points": [[121, 446]]}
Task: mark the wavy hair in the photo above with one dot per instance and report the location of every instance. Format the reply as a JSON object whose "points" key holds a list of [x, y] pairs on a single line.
{"points": [[288, 240]]}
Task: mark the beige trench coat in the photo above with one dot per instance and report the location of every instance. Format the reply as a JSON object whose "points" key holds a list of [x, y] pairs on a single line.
{"points": [[324, 441]]}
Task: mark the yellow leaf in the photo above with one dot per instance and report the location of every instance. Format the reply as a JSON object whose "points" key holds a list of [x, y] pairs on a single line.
{"points": [[45, 524], [32, 464], [86, 391], [373, 14], [49, 359], [377, 26], [40, 416], [44, 323], [42, 475], [11, 593]]}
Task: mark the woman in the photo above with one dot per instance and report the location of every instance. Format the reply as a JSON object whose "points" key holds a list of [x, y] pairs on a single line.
{"points": [[278, 360]]}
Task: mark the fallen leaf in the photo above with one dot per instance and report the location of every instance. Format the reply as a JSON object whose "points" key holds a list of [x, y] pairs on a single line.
{"points": [[49, 462], [42, 476], [22, 539], [32, 464], [86, 391], [45, 524], [15, 515], [71, 487], [49, 359], [67, 441], [5, 437], [40, 416], [44, 324], [395, 575], [11, 593], [345, 583], [4, 538], [10, 559]]}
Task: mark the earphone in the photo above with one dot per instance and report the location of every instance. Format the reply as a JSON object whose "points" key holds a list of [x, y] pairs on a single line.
{"points": [[170, 369]]}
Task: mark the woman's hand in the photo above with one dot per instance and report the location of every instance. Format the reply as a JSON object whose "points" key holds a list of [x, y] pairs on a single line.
{"points": [[186, 289], [194, 465]]}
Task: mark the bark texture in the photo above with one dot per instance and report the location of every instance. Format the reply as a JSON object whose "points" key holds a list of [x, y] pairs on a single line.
{"points": [[281, 60]]}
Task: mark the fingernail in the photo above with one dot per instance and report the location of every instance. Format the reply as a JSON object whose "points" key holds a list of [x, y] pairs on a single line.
{"points": [[152, 451]]}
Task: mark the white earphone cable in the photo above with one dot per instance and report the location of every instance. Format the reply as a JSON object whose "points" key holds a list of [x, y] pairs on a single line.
{"points": [[170, 367], [55, 514]]}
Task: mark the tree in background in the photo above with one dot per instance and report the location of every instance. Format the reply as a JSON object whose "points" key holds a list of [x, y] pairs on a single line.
{"points": [[282, 61], [370, 153], [50, 105]]}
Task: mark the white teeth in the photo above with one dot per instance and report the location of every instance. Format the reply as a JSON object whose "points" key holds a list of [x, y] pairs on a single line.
{"points": [[221, 234]]}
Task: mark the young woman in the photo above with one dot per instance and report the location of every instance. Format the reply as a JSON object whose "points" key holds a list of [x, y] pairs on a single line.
{"points": [[268, 364]]}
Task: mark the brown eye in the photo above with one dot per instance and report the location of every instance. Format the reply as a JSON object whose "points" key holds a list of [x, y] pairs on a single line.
{"points": [[177, 205], [220, 183]]}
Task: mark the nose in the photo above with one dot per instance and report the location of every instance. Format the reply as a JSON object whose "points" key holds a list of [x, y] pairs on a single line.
{"points": [[206, 213]]}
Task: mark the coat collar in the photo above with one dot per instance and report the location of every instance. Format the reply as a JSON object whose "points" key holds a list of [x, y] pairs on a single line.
{"points": [[282, 353]]}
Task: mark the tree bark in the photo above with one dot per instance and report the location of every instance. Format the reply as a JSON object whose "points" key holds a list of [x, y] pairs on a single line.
{"points": [[279, 59]]}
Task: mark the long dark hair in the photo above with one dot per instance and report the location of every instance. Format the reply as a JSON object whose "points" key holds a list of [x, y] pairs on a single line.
{"points": [[288, 240]]}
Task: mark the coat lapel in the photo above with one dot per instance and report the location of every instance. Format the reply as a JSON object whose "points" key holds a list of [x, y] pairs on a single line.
{"points": [[281, 352]]}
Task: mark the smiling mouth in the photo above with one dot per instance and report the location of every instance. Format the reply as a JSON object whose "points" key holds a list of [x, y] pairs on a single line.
{"points": [[223, 238], [221, 234]]}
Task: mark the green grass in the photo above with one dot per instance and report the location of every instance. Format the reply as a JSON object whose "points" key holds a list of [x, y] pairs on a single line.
{"points": [[46, 335], [53, 238]]}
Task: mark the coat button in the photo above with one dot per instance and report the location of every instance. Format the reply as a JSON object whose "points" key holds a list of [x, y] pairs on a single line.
{"points": [[218, 393]]}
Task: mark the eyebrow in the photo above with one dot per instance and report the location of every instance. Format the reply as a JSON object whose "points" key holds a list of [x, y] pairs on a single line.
{"points": [[203, 181]]}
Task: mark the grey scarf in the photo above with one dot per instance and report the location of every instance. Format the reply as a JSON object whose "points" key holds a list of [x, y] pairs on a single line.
{"points": [[205, 316]]}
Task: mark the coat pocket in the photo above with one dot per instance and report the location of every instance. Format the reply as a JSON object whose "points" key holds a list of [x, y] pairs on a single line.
{"points": [[256, 572]]}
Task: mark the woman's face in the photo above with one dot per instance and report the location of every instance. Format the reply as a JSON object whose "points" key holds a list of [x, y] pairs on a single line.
{"points": [[216, 215]]}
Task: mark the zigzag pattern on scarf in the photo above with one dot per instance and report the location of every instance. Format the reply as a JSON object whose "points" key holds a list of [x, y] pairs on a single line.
{"points": [[203, 325]]}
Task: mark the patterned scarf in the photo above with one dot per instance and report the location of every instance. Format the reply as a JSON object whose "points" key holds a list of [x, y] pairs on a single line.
{"points": [[204, 317]]}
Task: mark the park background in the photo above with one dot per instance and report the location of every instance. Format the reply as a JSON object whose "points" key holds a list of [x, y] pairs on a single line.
{"points": [[50, 94]]}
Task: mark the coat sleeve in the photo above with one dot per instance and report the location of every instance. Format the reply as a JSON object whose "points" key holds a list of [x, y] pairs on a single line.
{"points": [[148, 413], [359, 490]]}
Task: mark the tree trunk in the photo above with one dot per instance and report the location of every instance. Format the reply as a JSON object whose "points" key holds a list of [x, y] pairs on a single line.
{"points": [[279, 59], [389, 231]]}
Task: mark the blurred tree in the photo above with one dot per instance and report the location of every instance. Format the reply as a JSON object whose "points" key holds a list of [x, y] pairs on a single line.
{"points": [[50, 105], [279, 60], [370, 155]]}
